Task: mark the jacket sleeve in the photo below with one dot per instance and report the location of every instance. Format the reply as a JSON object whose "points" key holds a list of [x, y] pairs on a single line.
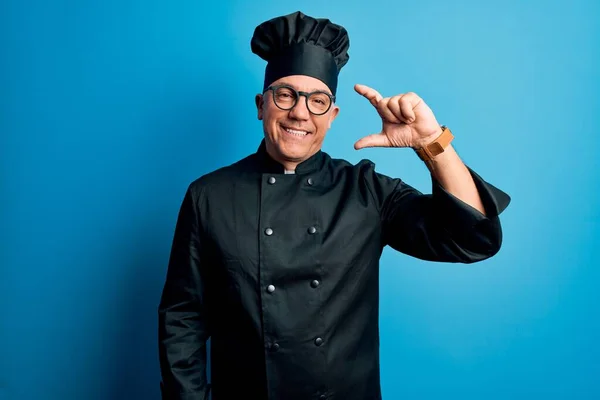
{"points": [[438, 226], [182, 322]]}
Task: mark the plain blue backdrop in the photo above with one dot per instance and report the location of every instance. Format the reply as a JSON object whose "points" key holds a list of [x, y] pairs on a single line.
{"points": [[108, 109]]}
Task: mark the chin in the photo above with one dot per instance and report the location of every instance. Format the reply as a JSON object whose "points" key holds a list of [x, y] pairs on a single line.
{"points": [[293, 154]]}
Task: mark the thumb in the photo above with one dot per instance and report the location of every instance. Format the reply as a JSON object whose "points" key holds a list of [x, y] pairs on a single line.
{"points": [[375, 140]]}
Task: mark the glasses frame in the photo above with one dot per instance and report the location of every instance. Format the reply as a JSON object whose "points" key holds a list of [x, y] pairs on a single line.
{"points": [[298, 94]]}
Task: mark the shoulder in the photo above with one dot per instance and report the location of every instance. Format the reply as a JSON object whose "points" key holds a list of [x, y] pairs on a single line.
{"points": [[222, 178], [363, 169], [364, 176], [347, 166]]}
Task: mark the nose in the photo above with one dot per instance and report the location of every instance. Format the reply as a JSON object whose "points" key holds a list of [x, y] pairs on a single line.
{"points": [[300, 110]]}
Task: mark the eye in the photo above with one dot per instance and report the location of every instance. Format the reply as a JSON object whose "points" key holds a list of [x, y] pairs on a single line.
{"points": [[285, 94], [319, 100]]}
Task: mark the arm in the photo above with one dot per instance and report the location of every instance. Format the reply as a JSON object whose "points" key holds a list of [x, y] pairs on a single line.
{"points": [[182, 316], [439, 226], [449, 171], [459, 221]]}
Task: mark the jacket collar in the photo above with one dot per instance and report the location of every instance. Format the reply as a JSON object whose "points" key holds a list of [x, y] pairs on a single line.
{"points": [[268, 164]]}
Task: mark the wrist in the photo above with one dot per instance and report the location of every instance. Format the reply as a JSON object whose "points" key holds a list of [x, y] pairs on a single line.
{"points": [[428, 139], [434, 145]]}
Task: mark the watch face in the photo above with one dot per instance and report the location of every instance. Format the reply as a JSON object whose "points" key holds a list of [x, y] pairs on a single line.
{"points": [[435, 148]]}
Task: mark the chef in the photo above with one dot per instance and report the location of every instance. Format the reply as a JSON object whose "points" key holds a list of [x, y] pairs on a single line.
{"points": [[275, 258]]}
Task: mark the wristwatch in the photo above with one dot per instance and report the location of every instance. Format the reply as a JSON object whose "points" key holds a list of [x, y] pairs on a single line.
{"points": [[438, 146]]}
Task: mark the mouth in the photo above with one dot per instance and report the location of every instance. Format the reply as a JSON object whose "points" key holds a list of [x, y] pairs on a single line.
{"points": [[295, 132]]}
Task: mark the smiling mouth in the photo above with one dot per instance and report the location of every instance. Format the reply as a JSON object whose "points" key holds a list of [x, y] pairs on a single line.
{"points": [[295, 132]]}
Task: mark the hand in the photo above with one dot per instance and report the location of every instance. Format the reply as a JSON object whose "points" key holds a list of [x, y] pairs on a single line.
{"points": [[407, 121]]}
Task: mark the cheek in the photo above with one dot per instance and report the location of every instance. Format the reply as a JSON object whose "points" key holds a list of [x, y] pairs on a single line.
{"points": [[322, 126], [271, 120], [271, 115], [266, 117]]}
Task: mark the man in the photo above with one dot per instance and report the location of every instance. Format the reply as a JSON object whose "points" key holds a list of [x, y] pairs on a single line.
{"points": [[276, 257]]}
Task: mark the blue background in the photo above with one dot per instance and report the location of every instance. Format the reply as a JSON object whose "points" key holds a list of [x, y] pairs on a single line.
{"points": [[109, 109]]}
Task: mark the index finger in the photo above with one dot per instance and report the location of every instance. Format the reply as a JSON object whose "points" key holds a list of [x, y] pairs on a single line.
{"points": [[371, 94]]}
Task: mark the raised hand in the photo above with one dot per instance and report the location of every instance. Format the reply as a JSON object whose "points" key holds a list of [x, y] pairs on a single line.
{"points": [[407, 120]]}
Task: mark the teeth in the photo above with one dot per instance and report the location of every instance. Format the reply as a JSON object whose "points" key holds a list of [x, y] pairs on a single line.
{"points": [[294, 132]]}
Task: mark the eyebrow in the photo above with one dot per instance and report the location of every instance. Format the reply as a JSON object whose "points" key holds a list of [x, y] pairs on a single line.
{"points": [[311, 89]]}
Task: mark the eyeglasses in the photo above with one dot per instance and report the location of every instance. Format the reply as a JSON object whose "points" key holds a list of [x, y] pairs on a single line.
{"points": [[286, 97]]}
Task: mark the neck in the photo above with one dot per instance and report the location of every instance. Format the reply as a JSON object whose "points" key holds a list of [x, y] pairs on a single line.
{"points": [[288, 166]]}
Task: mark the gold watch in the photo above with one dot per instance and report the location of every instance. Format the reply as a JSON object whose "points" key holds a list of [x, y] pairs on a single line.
{"points": [[438, 146]]}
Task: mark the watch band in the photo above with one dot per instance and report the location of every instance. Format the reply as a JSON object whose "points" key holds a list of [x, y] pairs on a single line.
{"points": [[438, 146]]}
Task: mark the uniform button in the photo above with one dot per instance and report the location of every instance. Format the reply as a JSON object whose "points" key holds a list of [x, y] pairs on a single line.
{"points": [[310, 181], [275, 346], [270, 288], [315, 283], [318, 341], [322, 397], [272, 180], [268, 231], [312, 230]]}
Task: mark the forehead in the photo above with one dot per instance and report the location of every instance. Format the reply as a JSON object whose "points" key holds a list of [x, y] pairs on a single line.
{"points": [[302, 83]]}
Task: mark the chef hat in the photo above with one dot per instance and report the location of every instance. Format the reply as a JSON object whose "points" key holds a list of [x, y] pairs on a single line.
{"points": [[297, 44]]}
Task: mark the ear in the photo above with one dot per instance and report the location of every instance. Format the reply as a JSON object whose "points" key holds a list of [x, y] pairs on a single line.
{"points": [[259, 100], [334, 113]]}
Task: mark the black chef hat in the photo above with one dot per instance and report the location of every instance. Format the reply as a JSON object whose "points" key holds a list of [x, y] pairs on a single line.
{"points": [[297, 44]]}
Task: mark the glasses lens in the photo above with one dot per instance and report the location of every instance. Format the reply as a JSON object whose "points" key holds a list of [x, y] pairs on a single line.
{"points": [[318, 103], [285, 98]]}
